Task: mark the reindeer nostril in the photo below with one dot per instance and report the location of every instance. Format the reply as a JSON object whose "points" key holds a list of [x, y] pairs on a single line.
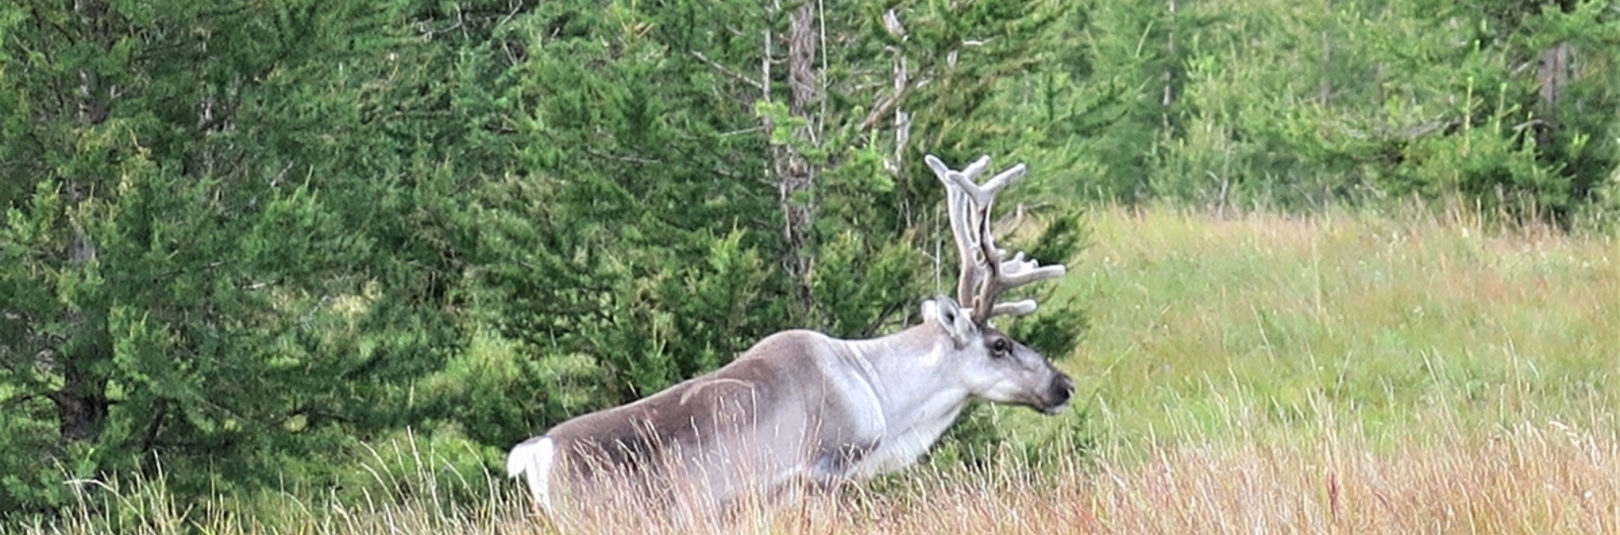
{"points": [[1062, 388]]}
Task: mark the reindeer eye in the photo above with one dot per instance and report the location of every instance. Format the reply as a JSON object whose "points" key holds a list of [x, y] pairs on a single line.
{"points": [[999, 347]]}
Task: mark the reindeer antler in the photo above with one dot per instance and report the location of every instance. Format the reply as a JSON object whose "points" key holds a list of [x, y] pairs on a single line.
{"points": [[986, 270]]}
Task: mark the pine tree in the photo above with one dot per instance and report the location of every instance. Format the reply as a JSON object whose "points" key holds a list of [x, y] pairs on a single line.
{"points": [[212, 243]]}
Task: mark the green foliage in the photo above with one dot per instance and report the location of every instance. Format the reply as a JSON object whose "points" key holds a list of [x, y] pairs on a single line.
{"points": [[629, 226], [205, 263], [1299, 105]]}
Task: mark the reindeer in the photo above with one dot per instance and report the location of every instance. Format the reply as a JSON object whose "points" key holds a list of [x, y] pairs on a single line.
{"points": [[801, 407]]}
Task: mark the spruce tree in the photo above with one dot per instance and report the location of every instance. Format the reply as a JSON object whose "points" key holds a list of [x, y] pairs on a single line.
{"points": [[213, 244]]}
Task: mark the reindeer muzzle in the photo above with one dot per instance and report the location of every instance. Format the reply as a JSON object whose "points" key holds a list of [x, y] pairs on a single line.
{"points": [[1058, 395]]}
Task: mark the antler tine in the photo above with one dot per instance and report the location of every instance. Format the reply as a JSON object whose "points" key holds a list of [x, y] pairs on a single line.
{"points": [[1018, 272], [972, 171], [959, 206], [986, 273], [984, 195], [1008, 274]]}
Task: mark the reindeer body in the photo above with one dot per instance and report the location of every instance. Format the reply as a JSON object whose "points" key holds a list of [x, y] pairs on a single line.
{"points": [[798, 408], [803, 408]]}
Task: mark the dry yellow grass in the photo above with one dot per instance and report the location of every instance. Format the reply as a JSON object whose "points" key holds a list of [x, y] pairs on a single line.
{"points": [[1531, 479], [1543, 478]]}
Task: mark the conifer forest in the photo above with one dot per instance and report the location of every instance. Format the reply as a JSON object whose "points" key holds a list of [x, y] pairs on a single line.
{"points": [[248, 248]]}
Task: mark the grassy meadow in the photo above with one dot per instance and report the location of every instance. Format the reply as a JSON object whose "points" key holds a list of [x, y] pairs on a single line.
{"points": [[1248, 373], [1207, 327]]}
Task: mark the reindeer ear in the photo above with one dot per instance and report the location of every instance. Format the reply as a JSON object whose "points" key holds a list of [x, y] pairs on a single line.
{"points": [[950, 316]]}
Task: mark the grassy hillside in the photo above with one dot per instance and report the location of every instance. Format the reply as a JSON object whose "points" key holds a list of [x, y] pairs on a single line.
{"points": [[1333, 374]]}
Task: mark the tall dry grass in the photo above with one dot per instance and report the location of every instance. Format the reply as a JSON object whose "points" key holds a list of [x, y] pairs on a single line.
{"points": [[1531, 479], [1544, 478]]}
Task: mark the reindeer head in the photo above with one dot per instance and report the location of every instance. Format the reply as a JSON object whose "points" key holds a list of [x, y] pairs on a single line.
{"points": [[993, 366]]}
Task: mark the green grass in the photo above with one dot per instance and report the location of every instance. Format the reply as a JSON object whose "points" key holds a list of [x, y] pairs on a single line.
{"points": [[1206, 326]]}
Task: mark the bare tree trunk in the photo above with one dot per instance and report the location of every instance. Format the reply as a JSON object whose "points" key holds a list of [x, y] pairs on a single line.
{"points": [[1324, 91], [82, 403], [1552, 75], [796, 175], [1169, 96], [902, 128], [802, 59]]}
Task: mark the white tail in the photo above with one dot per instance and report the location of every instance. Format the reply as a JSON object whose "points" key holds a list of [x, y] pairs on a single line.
{"points": [[532, 460]]}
